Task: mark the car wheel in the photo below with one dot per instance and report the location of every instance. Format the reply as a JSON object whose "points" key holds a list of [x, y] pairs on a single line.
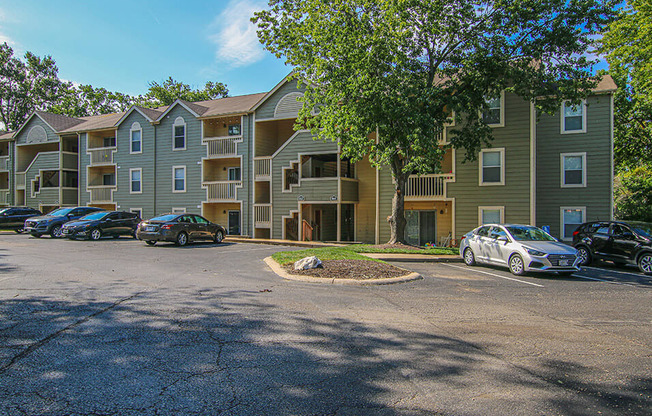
{"points": [[469, 257], [150, 242], [218, 237], [584, 255], [96, 234], [19, 230], [645, 263], [182, 239], [55, 232], [516, 265]]}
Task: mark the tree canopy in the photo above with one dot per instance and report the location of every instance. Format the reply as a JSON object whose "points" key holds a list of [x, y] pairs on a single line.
{"points": [[404, 68], [169, 90]]}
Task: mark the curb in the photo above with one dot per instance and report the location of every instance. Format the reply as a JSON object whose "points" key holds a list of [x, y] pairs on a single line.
{"points": [[276, 268], [422, 258], [280, 243]]}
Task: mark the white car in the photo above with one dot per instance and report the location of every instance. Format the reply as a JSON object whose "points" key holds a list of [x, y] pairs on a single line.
{"points": [[521, 248]]}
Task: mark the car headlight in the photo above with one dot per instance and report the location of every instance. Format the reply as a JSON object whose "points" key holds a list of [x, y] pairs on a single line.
{"points": [[534, 252]]}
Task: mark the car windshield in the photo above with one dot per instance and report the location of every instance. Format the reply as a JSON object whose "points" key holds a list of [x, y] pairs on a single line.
{"points": [[95, 216], [168, 217], [525, 233], [60, 212], [645, 232]]}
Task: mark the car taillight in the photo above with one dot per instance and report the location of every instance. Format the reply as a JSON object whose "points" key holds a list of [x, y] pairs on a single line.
{"points": [[575, 233], [166, 227], [463, 237]]}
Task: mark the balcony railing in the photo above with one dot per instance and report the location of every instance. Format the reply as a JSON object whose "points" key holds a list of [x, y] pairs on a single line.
{"points": [[20, 180], [427, 187], [262, 168], [222, 190], [5, 163], [263, 215], [102, 194], [222, 146], [101, 156]]}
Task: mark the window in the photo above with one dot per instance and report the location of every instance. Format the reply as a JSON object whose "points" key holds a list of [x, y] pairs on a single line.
{"points": [[137, 211], [179, 134], [179, 179], [571, 218], [109, 141], [494, 115], [200, 220], [234, 174], [491, 215], [178, 210], [136, 181], [573, 170], [234, 129], [135, 135], [492, 167], [573, 117], [108, 179]]}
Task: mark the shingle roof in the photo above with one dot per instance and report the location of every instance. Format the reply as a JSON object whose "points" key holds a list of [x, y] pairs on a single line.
{"points": [[59, 122], [152, 113], [197, 108], [103, 121], [4, 135], [230, 105], [606, 84]]}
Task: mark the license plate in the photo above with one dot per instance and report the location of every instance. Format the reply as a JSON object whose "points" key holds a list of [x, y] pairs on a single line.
{"points": [[150, 228], [563, 262]]}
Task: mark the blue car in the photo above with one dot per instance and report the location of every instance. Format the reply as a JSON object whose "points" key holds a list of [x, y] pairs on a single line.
{"points": [[52, 222]]}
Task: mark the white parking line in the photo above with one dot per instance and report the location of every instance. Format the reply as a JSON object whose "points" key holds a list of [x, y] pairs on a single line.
{"points": [[493, 274], [616, 271], [601, 280]]}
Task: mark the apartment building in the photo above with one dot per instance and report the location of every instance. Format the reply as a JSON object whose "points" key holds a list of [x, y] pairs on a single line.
{"points": [[239, 162]]}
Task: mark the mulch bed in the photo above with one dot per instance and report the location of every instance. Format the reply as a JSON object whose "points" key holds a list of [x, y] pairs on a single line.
{"points": [[351, 269]]}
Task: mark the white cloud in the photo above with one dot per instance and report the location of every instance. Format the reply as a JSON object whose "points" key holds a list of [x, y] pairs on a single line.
{"points": [[4, 38], [235, 36]]}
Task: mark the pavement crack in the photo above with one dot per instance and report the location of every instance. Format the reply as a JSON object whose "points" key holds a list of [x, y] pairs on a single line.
{"points": [[35, 346]]}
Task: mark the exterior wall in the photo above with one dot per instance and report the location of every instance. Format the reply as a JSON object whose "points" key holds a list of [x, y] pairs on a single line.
{"points": [[386, 193], [125, 161], [266, 110], [36, 121], [365, 221], [46, 196], [596, 142], [84, 161], [514, 195]]}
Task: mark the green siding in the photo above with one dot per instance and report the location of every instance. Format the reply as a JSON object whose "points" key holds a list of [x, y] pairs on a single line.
{"points": [[515, 194], [596, 142], [21, 138], [266, 110]]}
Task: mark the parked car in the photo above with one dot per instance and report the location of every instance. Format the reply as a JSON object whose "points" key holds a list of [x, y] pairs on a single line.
{"points": [[102, 223], [619, 242], [13, 218], [180, 229], [52, 222], [521, 248]]}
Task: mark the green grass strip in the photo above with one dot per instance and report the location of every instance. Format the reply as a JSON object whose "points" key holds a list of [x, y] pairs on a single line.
{"points": [[367, 248], [325, 253]]}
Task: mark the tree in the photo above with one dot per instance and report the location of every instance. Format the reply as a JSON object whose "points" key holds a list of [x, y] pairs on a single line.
{"points": [[85, 100], [633, 194], [403, 67], [170, 90], [627, 44], [26, 86]]}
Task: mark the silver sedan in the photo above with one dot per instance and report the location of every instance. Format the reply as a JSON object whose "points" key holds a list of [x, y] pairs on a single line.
{"points": [[521, 248]]}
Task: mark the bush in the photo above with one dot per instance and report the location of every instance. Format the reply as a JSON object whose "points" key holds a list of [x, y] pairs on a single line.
{"points": [[633, 194]]}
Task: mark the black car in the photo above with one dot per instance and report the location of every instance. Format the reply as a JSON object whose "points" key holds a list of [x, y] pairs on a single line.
{"points": [[615, 241], [180, 229], [102, 223], [52, 222], [13, 218]]}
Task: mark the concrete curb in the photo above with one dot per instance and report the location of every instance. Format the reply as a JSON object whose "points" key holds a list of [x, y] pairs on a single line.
{"points": [[413, 258], [276, 268]]}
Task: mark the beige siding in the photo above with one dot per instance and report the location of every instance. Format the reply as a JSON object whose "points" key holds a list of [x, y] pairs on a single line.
{"points": [[366, 209]]}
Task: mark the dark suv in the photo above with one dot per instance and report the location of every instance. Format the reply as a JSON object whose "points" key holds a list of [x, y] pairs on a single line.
{"points": [[13, 218], [618, 242], [102, 223], [53, 221]]}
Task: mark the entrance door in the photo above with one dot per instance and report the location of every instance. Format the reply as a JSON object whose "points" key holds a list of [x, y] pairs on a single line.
{"points": [[426, 227], [234, 222], [317, 231]]}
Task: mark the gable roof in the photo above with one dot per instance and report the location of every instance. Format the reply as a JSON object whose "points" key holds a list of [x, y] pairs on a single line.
{"points": [[6, 135], [151, 114], [606, 84], [102, 121], [58, 122], [230, 105], [270, 93]]}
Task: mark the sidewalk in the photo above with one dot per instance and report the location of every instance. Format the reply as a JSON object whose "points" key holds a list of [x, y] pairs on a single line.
{"points": [[306, 244]]}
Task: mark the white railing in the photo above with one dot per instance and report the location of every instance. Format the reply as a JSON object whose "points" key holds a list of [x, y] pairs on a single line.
{"points": [[102, 155], [102, 194], [222, 190], [4, 163], [4, 196], [427, 186], [222, 146], [262, 168], [20, 180], [263, 215]]}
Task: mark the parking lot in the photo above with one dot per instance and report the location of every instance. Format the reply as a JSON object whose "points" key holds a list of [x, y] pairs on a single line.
{"points": [[118, 327]]}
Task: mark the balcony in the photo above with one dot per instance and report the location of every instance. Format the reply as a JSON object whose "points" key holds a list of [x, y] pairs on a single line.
{"points": [[427, 187], [222, 146], [101, 194], [263, 215], [101, 155], [262, 168], [5, 163], [222, 191], [20, 180], [4, 196]]}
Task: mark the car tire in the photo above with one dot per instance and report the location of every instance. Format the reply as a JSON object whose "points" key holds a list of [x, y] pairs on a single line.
{"points": [[95, 234], [645, 263], [150, 242], [182, 239], [218, 237], [516, 265], [584, 254], [55, 231], [19, 230], [469, 257]]}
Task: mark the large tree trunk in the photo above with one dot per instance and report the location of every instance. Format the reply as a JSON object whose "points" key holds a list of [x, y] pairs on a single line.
{"points": [[397, 220]]}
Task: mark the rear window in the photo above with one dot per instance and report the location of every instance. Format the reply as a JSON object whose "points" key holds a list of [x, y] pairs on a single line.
{"points": [[168, 217]]}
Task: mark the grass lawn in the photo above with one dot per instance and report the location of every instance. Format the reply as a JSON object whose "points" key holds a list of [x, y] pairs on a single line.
{"points": [[324, 253], [368, 248]]}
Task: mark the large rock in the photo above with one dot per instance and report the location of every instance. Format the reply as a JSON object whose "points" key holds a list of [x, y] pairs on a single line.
{"points": [[307, 263]]}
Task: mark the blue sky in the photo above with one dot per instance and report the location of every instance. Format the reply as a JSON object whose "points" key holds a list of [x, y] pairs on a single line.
{"points": [[122, 45]]}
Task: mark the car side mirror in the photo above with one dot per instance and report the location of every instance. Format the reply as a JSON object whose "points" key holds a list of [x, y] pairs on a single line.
{"points": [[502, 238]]}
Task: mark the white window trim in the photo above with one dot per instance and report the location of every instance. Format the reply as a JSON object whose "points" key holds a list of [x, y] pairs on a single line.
{"points": [[563, 170], [562, 229], [562, 124], [491, 208], [178, 210], [140, 129], [502, 167], [228, 173], [184, 179], [139, 211], [179, 121], [502, 111], [131, 191]]}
